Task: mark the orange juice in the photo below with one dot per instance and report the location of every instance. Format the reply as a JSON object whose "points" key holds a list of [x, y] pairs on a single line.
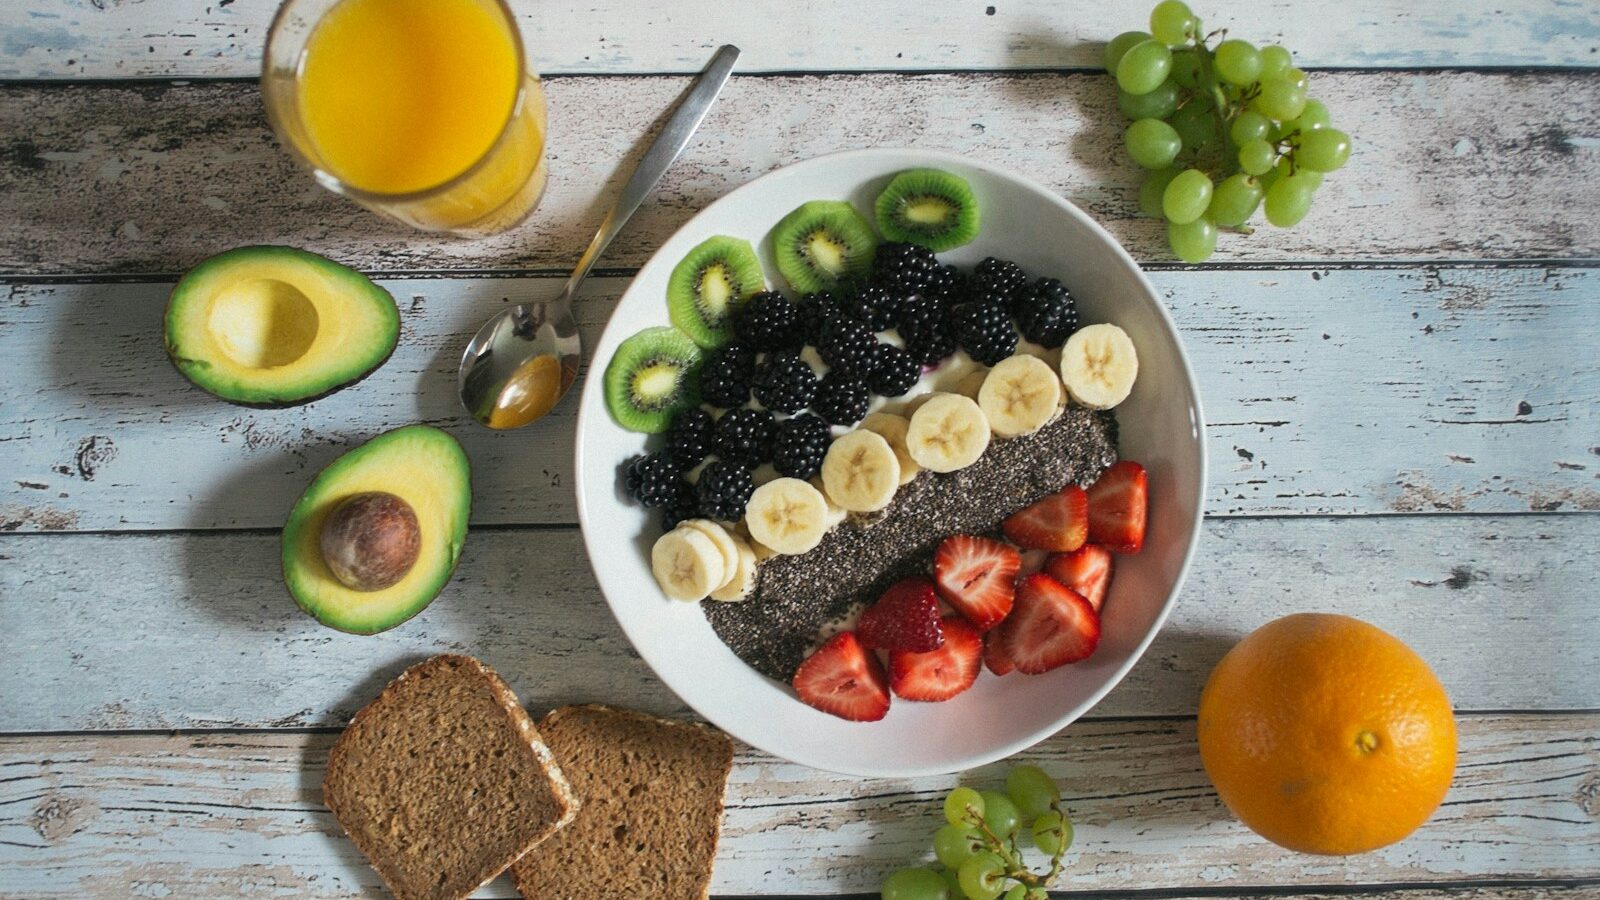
{"points": [[418, 108]]}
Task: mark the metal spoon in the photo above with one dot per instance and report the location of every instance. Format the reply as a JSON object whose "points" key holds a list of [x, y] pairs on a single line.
{"points": [[523, 360]]}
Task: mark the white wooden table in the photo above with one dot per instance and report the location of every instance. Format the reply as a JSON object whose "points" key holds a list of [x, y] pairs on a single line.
{"points": [[1402, 394]]}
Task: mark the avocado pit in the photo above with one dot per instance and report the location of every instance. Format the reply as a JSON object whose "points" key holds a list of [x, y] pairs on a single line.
{"points": [[371, 540]]}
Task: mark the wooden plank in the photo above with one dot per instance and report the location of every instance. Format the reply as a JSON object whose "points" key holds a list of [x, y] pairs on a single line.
{"points": [[153, 177], [205, 636], [1342, 391], [199, 38], [230, 814]]}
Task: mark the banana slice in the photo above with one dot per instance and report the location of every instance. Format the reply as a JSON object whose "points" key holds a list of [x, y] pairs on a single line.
{"points": [[727, 544], [687, 565], [947, 433], [892, 428], [743, 581], [860, 472], [787, 515], [835, 513], [1099, 366], [1020, 395], [972, 382]]}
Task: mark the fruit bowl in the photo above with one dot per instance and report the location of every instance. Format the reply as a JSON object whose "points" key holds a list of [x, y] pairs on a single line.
{"points": [[1160, 425]]}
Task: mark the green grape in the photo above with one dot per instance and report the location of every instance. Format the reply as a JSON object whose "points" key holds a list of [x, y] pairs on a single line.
{"points": [[1017, 892], [1238, 62], [1151, 191], [1192, 242], [1275, 61], [1195, 124], [1257, 157], [1187, 197], [952, 881], [1279, 99], [1143, 68], [1028, 786], [1282, 169], [982, 877], [1321, 150], [1000, 814], [961, 805], [914, 884], [1158, 104], [1172, 22], [953, 844], [1249, 126], [1186, 68], [1052, 832], [1297, 77], [1289, 199], [1119, 45], [1314, 116], [1234, 200], [1152, 143]]}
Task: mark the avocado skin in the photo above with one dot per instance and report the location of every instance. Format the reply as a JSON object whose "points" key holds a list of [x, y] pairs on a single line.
{"points": [[300, 538], [295, 254]]}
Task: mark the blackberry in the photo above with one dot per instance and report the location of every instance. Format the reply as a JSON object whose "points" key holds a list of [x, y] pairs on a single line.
{"points": [[651, 480], [892, 371], [925, 328], [723, 490], [846, 345], [873, 304], [1045, 312], [682, 505], [801, 443], [908, 269], [816, 311], [744, 436], [999, 277], [841, 399], [770, 323], [785, 382], [984, 331], [691, 438], [726, 374]]}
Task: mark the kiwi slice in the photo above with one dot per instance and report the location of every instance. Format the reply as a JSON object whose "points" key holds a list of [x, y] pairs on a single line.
{"points": [[823, 243], [710, 285], [652, 376], [930, 207]]}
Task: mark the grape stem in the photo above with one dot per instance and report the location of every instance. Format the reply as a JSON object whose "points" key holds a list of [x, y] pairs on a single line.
{"points": [[1007, 850]]}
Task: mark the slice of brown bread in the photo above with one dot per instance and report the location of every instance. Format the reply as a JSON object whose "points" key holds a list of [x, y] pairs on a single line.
{"points": [[443, 781], [652, 808]]}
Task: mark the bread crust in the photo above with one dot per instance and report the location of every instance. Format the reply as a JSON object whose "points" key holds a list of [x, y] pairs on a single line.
{"points": [[521, 722]]}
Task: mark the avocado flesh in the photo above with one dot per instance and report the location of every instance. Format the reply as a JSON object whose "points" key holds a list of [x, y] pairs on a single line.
{"points": [[276, 326], [419, 464]]}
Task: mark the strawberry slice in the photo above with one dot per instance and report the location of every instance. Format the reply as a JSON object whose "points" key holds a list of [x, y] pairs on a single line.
{"points": [[906, 617], [1052, 625], [943, 673], [844, 679], [1059, 522], [1086, 570], [1117, 507], [977, 576], [994, 653]]}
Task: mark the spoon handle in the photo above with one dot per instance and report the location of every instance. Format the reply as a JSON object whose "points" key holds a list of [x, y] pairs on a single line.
{"points": [[668, 144]]}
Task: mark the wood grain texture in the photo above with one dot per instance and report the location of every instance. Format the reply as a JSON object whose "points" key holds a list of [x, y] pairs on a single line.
{"points": [[1342, 391], [233, 814], [196, 630], [197, 38], [154, 177]]}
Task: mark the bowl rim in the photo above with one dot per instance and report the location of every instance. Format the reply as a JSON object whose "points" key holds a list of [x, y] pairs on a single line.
{"points": [[907, 157]]}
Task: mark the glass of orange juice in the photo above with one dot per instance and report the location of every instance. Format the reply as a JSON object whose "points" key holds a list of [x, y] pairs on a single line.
{"points": [[422, 110]]}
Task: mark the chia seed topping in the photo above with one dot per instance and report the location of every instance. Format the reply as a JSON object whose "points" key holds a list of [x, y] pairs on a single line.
{"points": [[798, 598]]}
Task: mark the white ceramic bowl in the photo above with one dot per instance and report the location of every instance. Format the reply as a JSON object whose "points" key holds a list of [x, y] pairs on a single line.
{"points": [[1160, 426]]}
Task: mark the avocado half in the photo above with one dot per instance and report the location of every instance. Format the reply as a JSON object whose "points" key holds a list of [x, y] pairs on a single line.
{"points": [[419, 464], [276, 326]]}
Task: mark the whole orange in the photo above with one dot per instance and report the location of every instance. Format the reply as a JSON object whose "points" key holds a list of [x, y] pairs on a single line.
{"points": [[1327, 735]]}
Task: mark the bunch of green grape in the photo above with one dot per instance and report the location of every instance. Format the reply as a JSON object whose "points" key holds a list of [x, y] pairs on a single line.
{"points": [[1223, 129], [977, 846]]}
